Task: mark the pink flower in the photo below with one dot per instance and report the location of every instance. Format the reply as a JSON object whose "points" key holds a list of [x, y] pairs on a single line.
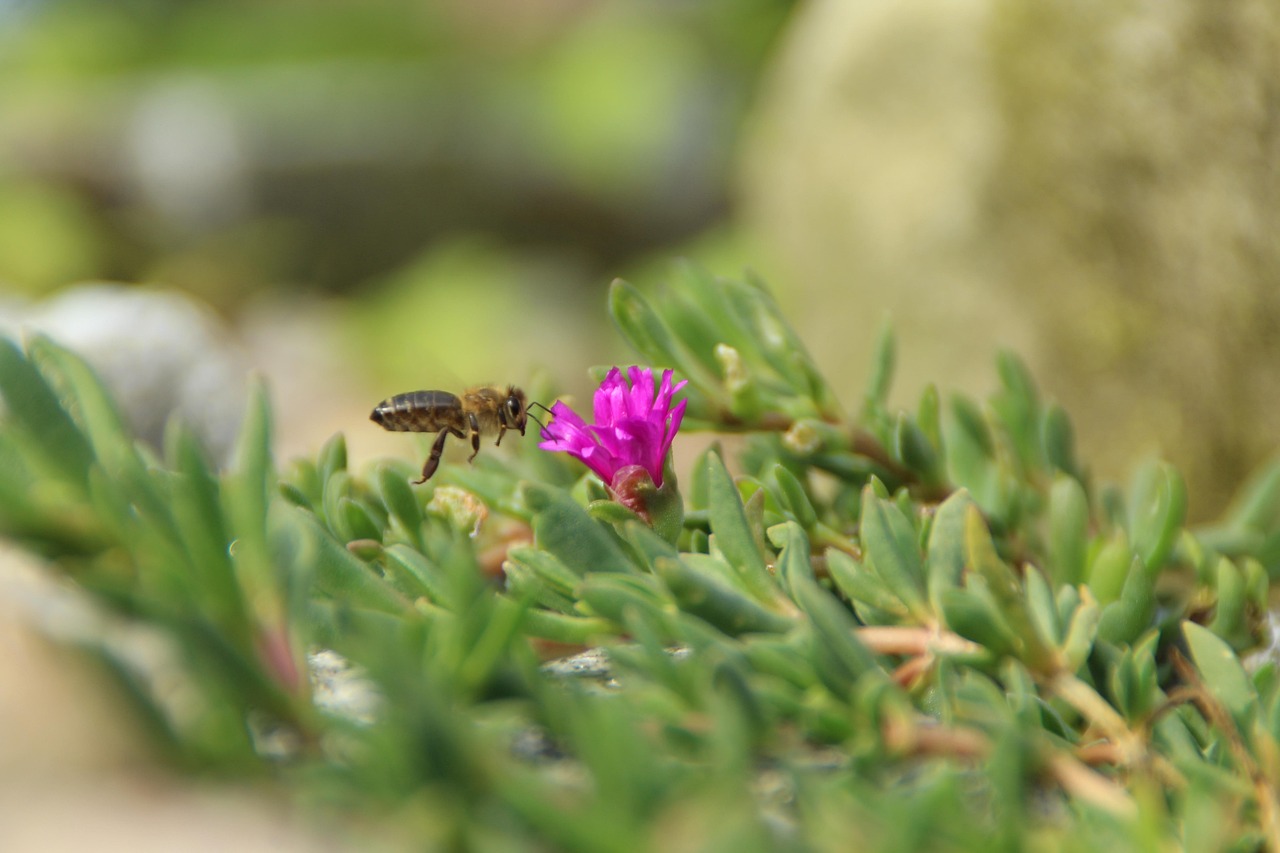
{"points": [[634, 426]]}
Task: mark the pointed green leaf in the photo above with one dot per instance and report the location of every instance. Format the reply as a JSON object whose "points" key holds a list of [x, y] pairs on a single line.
{"points": [[1221, 670], [889, 543], [565, 529], [110, 437], [733, 533], [839, 656], [248, 488], [1126, 618], [912, 448], [336, 489], [883, 363], [794, 497], [1006, 592], [975, 618], [33, 404], [417, 575], [1058, 439], [1081, 632], [1229, 612], [333, 457], [947, 554], [1109, 568], [338, 573], [1158, 510], [1018, 407], [401, 502], [929, 415], [642, 327], [563, 628], [358, 519], [795, 558], [707, 292], [862, 587], [710, 598], [609, 594], [1041, 606], [1257, 505], [1068, 530]]}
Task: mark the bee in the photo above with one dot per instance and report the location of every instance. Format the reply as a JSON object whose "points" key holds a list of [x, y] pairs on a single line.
{"points": [[478, 411]]}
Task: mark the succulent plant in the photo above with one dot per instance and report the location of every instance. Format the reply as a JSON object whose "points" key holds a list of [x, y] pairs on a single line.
{"points": [[896, 629]]}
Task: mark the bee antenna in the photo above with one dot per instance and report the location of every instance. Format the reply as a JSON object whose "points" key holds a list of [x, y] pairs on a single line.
{"points": [[529, 411]]}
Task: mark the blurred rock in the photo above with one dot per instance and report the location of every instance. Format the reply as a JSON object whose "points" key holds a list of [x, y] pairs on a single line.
{"points": [[159, 352], [1096, 185]]}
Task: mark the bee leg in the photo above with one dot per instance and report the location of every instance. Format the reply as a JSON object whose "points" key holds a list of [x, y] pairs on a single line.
{"points": [[433, 461], [502, 430], [475, 437]]}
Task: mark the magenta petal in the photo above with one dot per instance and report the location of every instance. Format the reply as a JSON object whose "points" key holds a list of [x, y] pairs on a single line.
{"points": [[609, 402], [565, 431], [635, 424], [677, 415], [641, 392], [599, 461]]}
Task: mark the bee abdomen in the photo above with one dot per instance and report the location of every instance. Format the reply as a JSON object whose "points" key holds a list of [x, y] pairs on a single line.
{"points": [[416, 411]]}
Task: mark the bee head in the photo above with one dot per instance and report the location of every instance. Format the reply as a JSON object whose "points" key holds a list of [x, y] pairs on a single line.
{"points": [[515, 411]]}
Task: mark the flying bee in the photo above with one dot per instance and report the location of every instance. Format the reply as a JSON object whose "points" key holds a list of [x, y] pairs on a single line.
{"points": [[481, 410]]}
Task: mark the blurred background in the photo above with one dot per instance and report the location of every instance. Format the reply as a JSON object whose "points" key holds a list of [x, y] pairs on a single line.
{"points": [[362, 197]]}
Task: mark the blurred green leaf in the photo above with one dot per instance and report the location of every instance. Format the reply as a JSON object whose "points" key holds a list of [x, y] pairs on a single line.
{"points": [[33, 404], [1158, 508], [1080, 634], [565, 529], [1221, 669], [883, 364], [1257, 505], [609, 595], [401, 503], [710, 598], [1058, 439], [1126, 618], [794, 497], [890, 545], [642, 327], [1068, 529], [1110, 567], [838, 656], [338, 574], [946, 555], [732, 532], [1229, 612]]}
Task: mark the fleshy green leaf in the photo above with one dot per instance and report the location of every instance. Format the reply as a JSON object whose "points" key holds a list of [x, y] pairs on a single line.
{"points": [[794, 497], [338, 573], [889, 542], [1158, 509], [839, 656], [34, 405], [1068, 529], [710, 598], [733, 534], [641, 325], [1126, 618], [947, 554], [609, 594], [1221, 670], [565, 529]]}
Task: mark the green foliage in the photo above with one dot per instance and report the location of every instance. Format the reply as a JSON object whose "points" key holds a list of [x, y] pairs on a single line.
{"points": [[904, 630]]}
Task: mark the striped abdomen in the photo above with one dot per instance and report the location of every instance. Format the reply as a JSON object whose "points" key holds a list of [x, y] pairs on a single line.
{"points": [[420, 411]]}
